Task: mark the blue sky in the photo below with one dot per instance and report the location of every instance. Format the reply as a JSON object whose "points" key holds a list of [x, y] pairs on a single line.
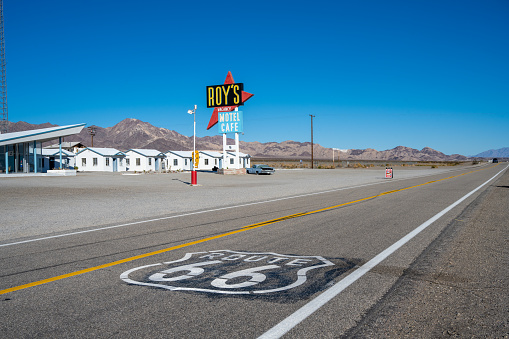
{"points": [[376, 74]]}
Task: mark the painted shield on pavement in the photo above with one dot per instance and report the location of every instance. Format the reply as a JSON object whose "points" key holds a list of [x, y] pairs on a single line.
{"points": [[227, 272]]}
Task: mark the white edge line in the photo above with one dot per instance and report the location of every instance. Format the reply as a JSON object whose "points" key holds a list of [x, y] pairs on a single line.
{"points": [[208, 211], [305, 311]]}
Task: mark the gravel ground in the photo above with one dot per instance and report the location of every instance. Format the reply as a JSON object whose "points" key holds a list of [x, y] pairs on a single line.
{"points": [[458, 287], [33, 206]]}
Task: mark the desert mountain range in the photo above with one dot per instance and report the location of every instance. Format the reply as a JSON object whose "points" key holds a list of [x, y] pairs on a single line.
{"points": [[134, 133]]}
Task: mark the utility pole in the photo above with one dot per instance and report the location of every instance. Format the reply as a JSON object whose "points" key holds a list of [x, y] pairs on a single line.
{"points": [[312, 159], [335, 149], [91, 131]]}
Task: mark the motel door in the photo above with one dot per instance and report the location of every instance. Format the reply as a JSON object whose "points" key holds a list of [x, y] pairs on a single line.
{"points": [[115, 165], [156, 164]]}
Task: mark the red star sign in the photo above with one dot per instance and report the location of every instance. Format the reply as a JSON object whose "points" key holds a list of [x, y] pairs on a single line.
{"points": [[245, 96]]}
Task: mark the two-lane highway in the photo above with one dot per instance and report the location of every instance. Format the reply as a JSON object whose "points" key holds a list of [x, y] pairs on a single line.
{"points": [[306, 266]]}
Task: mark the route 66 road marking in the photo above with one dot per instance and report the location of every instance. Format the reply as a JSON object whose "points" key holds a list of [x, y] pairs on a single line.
{"points": [[227, 272]]}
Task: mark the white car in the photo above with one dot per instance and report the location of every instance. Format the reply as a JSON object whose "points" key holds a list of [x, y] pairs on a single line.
{"points": [[260, 169]]}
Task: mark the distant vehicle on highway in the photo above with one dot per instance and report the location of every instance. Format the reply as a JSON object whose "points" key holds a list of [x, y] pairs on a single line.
{"points": [[495, 160], [260, 169]]}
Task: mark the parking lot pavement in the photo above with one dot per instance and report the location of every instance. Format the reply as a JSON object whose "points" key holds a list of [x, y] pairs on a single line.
{"points": [[33, 206]]}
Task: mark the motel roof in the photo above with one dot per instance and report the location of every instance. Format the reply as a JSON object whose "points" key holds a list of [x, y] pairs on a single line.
{"points": [[49, 152], [40, 135], [105, 152], [212, 154], [242, 155], [67, 144], [146, 152], [182, 154]]}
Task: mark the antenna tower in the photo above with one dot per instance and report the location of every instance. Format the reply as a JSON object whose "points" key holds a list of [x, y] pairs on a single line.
{"points": [[4, 116]]}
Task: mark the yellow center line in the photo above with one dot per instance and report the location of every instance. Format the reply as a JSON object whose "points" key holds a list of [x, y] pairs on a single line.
{"points": [[243, 229]]}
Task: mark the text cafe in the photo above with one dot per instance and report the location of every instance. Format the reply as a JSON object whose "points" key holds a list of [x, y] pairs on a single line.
{"points": [[230, 122]]}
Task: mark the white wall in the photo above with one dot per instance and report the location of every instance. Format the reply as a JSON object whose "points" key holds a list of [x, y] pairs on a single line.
{"points": [[146, 163], [181, 163], [102, 164], [207, 162], [244, 162]]}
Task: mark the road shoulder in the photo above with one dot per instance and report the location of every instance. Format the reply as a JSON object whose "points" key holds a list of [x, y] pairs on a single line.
{"points": [[458, 286]]}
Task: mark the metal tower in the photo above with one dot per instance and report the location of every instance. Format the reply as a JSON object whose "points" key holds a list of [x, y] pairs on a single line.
{"points": [[4, 116]]}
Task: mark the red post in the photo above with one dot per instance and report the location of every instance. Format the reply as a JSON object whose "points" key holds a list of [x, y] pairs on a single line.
{"points": [[194, 178]]}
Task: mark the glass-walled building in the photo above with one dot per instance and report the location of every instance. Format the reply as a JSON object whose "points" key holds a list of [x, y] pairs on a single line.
{"points": [[21, 152], [20, 157]]}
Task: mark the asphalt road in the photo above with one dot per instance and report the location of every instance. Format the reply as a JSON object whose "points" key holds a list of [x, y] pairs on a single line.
{"points": [[312, 266]]}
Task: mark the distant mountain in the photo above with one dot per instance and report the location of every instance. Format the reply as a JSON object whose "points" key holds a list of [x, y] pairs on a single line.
{"points": [[494, 153], [133, 133], [21, 126]]}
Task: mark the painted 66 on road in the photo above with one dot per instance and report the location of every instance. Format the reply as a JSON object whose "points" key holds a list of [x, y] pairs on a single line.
{"points": [[227, 272]]}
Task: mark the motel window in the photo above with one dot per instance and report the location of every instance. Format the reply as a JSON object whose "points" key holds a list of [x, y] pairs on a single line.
{"points": [[185, 162], [215, 161], [120, 161], [107, 161], [42, 162], [94, 161], [127, 162], [150, 161], [231, 161], [176, 162], [138, 161], [84, 162], [206, 162]]}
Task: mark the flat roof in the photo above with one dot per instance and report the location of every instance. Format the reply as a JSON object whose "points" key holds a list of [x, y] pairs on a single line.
{"points": [[41, 135]]}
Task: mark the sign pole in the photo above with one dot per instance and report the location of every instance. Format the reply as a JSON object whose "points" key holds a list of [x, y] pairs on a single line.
{"points": [[237, 154], [224, 152], [194, 158], [237, 147], [194, 177], [312, 158]]}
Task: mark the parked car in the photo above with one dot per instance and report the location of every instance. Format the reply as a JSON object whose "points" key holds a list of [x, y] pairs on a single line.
{"points": [[260, 169], [495, 160]]}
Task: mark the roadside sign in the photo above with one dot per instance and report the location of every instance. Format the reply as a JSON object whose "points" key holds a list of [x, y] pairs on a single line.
{"points": [[225, 95], [225, 98], [388, 173], [196, 158], [230, 122]]}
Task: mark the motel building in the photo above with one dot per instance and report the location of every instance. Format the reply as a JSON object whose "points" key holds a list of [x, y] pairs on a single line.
{"points": [[22, 152], [182, 160], [145, 160], [244, 160], [92, 159], [179, 160], [50, 160], [72, 146], [210, 159]]}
